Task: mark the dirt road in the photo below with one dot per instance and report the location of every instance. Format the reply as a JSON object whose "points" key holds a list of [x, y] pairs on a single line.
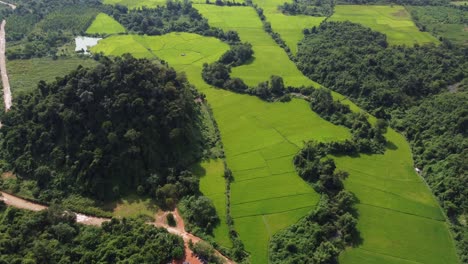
{"points": [[8, 4], [3, 70]]}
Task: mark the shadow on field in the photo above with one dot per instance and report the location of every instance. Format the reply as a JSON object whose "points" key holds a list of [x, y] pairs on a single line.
{"points": [[391, 146]]}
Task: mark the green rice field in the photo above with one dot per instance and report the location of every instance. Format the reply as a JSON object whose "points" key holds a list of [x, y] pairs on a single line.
{"points": [[459, 3], [399, 220], [213, 185], [393, 21], [289, 27], [104, 24]]}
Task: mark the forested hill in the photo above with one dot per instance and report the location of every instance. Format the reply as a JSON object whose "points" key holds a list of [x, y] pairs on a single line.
{"points": [[105, 130]]}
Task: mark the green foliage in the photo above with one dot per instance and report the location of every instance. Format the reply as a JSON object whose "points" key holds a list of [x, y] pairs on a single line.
{"points": [[445, 22], [106, 130], [171, 220], [199, 212], [52, 236], [319, 237], [318, 8], [206, 252], [353, 60], [175, 16]]}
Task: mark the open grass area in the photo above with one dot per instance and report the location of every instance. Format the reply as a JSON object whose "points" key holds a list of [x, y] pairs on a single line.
{"points": [[289, 27], [104, 24], [133, 206], [393, 21], [213, 185], [399, 220], [25, 74], [132, 4]]}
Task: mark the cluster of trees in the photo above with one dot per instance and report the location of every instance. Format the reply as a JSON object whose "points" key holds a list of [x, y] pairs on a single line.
{"points": [[125, 125], [52, 236], [40, 27], [324, 233], [359, 63], [321, 8], [175, 16], [437, 131], [366, 138], [206, 252], [200, 213]]}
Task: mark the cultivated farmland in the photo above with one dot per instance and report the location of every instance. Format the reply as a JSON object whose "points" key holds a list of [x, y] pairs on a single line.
{"points": [[397, 214], [104, 24], [393, 21], [25, 74], [289, 27]]}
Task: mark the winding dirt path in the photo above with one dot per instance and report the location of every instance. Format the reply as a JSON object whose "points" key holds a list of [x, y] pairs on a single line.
{"points": [[8, 4], [179, 230]]}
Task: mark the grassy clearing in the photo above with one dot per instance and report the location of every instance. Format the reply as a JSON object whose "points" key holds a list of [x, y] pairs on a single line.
{"points": [[260, 137], [213, 185], [393, 21], [133, 206], [132, 4], [289, 27], [25, 74], [104, 24]]}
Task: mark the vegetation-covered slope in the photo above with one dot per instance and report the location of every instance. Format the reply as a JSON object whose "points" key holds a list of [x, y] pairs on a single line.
{"points": [[104, 130]]}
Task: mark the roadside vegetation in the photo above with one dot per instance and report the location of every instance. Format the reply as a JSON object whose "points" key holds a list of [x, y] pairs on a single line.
{"points": [[52, 236]]}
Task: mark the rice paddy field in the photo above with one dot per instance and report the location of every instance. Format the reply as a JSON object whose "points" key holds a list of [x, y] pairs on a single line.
{"points": [[460, 3], [213, 185], [393, 21], [399, 220], [289, 27], [104, 24], [25, 74]]}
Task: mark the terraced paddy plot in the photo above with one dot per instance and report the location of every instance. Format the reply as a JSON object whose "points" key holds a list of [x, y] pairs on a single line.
{"points": [[269, 60], [213, 185], [393, 21], [399, 219], [289, 27], [132, 4], [104, 24]]}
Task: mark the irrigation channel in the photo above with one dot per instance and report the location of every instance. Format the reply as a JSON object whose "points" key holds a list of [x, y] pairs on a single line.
{"points": [[21, 203]]}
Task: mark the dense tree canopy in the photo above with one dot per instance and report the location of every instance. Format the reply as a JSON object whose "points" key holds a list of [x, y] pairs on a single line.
{"points": [[358, 62], [102, 131], [52, 236]]}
